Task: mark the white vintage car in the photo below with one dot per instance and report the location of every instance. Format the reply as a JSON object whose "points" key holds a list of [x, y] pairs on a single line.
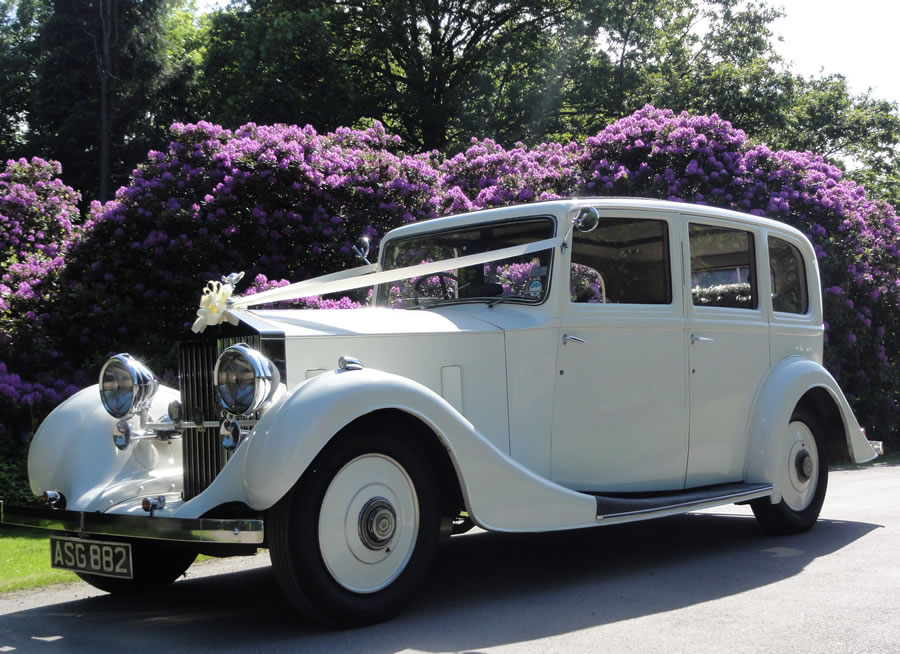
{"points": [[557, 365]]}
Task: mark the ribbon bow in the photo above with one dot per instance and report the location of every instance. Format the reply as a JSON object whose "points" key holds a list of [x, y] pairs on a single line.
{"points": [[214, 303]]}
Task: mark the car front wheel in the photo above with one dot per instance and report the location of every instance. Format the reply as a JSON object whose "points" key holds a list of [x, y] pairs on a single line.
{"points": [[804, 481], [353, 540]]}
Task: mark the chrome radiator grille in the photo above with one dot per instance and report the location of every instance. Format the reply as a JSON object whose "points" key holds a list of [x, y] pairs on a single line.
{"points": [[203, 455]]}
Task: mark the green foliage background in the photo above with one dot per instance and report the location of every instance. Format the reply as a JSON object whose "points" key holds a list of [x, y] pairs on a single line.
{"points": [[437, 73]]}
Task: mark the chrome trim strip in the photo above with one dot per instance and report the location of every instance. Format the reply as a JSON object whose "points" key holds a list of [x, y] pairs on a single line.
{"points": [[189, 530], [180, 426], [752, 492]]}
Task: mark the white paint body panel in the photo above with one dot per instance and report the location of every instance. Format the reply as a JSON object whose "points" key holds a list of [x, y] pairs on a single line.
{"points": [[531, 376], [620, 420], [73, 452], [637, 408], [292, 434], [479, 358], [725, 373]]}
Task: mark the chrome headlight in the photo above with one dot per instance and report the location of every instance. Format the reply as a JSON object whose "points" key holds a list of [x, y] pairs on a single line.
{"points": [[245, 380], [127, 386]]}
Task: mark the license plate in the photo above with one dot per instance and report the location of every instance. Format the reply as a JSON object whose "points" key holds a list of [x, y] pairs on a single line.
{"points": [[94, 557]]}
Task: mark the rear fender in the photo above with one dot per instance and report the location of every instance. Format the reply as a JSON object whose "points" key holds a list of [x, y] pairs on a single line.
{"points": [[786, 385], [499, 493]]}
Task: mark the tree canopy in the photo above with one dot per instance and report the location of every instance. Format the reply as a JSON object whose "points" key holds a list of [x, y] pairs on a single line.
{"points": [[95, 83]]}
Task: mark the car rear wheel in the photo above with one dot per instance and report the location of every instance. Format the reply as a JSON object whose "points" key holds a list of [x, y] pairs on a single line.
{"points": [[804, 480], [353, 540]]}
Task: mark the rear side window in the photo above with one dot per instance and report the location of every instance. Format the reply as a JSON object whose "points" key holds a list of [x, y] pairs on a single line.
{"points": [[789, 291], [723, 267], [622, 261]]}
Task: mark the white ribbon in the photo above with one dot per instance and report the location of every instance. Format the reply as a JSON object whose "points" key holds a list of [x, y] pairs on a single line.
{"points": [[212, 310]]}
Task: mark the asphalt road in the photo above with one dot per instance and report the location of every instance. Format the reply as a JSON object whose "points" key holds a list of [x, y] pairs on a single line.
{"points": [[704, 582]]}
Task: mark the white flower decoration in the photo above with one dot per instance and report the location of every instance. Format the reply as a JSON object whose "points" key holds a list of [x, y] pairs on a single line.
{"points": [[214, 303]]}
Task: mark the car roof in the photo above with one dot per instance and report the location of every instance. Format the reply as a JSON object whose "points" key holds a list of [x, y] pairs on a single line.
{"points": [[563, 207]]}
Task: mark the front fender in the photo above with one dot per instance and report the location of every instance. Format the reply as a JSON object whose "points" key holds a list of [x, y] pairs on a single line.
{"points": [[788, 382], [499, 493], [73, 453]]}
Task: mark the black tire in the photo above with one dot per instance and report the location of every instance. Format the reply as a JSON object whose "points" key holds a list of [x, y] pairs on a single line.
{"points": [[154, 565], [295, 545], [783, 519]]}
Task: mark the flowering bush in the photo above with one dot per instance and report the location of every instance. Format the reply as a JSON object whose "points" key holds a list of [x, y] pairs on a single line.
{"points": [[586, 284], [282, 201], [36, 230], [514, 278], [36, 209], [36, 227], [285, 202], [703, 159], [262, 283], [486, 175]]}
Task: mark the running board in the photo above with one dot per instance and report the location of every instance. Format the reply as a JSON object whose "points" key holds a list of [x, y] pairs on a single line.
{"points": [[621, 508]]}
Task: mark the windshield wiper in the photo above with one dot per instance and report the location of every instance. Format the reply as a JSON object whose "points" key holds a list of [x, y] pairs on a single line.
{"points": [[498, 300], [442, 302]]}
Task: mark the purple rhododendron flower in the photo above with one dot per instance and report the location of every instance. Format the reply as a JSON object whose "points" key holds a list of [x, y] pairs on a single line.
{"points": [[284, 202]]}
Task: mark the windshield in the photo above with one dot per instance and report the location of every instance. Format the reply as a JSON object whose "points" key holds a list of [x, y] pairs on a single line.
{"points": [[520, 279]]}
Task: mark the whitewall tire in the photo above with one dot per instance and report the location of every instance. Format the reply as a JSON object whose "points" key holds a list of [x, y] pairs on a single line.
{"points": [[352, 542]]}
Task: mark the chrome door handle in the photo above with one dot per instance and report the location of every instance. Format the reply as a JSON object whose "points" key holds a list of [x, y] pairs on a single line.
{"points": [[701, 339], [574, 339]]}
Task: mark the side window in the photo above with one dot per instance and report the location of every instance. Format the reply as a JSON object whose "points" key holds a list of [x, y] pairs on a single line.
{"points": [[623, 260], [723, 268], [788, 277]]}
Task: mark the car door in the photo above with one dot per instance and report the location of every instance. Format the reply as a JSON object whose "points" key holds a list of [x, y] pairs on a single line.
{"points": [[728, 344], [620, 406]]}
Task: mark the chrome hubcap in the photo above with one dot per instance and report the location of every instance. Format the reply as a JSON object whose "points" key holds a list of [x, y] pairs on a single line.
{"points": [[377, 523], [804, 465], [368, 523]]}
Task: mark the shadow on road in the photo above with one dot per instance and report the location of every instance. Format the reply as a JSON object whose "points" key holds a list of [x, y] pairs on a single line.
{"points": [[486, 590]]}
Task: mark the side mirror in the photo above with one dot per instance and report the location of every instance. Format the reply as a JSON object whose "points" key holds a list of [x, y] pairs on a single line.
{"points": [[361, 248], [587, 220]]}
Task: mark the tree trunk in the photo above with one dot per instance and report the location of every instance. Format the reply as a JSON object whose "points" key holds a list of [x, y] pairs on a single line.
{"points": [[107, 37]]}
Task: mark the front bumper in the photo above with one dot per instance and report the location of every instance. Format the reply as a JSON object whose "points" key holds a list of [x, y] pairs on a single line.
{"points": [[184, 530]]}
